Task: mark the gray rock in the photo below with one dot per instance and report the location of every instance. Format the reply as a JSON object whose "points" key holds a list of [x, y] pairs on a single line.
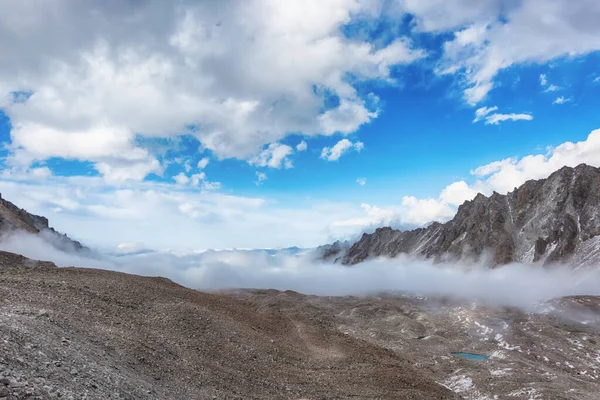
{"points": [[4, 391], [544, 221]]}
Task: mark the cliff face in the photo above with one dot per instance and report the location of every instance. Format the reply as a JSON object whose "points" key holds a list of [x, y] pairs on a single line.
{"points": [[556, 219], [14, 219]]}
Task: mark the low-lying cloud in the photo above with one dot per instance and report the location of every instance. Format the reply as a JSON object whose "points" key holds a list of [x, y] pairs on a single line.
{"points": [[511, 285]]}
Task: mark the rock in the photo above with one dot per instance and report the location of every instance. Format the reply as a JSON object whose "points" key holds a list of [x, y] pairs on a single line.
{"points": [[556, 219], [4, 391], [14, 218]]}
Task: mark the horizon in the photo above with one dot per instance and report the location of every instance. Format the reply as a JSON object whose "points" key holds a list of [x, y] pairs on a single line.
{"points": [[264, 125]]}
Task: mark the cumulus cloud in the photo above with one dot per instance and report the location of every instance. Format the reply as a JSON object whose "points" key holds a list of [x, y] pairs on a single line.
{"points": [[274, 156], [203, 163], [361, 181], [334, 153], [543, 80], [500, 176], [155, 69], [181, 179], [301, 146], [197, 178], [507, 34]]}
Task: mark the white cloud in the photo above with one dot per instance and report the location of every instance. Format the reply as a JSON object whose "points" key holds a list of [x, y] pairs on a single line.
{"points": [[335, 152], [553, 88], [171, 216], [515, 33], [203, 163], [422, 211], [181, 179], [197, 178], [206, 185], [41, 172], [480, 113], [495, 119], [457, 193], [561, 100], [361, 181], [302, 146], [375, 216], [503, 176], [500, 176], [490, 117], [260, 177], [543, 80], [274, 156], [241, 82]]}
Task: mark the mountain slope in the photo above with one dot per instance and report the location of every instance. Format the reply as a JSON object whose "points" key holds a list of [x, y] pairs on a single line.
{"points": [[14, 219], [99, 334], [556, 219], [76, 333]]}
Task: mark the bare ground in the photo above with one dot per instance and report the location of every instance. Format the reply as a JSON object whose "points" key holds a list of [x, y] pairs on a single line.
{"points": [[91, 334]]}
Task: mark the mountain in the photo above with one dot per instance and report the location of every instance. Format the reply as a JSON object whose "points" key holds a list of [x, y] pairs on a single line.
{"points": [[333, 252], [14, 219], [556, 219]]}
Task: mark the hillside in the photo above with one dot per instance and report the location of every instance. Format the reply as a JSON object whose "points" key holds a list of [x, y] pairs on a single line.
{"points": [[14, 219], [89, 334], [556, 219]]}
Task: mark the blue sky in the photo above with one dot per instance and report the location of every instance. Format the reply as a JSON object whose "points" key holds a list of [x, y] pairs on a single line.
{"points": [[103, 127]]}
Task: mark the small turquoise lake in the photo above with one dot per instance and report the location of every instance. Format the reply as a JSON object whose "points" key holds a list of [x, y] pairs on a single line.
{"points": [[470, 356]]}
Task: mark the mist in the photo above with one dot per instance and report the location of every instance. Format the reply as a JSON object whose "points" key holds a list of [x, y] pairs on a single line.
{"points": [[511, 285]]}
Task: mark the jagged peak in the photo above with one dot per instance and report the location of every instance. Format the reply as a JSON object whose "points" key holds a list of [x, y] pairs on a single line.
{"points": [[498, 225]]}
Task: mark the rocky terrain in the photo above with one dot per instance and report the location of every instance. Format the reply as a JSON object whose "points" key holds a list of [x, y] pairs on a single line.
{"points": [[14, 219], [550, 220], [90, 334]]}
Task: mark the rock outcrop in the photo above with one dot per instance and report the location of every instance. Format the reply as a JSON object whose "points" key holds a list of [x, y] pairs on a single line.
{"points": [[14, 219], [556, 219]]}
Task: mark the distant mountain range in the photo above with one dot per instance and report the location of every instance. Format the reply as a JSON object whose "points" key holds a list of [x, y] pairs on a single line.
{"points": [[14, 219], [556, 219]]}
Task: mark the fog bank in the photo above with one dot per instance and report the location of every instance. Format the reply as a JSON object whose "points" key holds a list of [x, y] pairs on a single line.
{"points": [[515, 284]]}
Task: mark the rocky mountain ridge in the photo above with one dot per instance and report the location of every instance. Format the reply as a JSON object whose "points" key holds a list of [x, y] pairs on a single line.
{"points": [[550, 220], [14, 219]]}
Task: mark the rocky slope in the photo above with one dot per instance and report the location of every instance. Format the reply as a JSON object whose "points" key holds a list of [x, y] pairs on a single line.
{"points": [[14, 219], [90, 334], [77, 333], [556, 219]]}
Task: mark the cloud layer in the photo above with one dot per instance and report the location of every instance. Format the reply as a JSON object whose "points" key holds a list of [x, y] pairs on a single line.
{"points": [[509, 285], [235, 74]]}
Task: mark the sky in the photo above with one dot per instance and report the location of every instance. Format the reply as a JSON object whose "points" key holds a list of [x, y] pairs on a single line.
{"points": [[264, 123]]}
